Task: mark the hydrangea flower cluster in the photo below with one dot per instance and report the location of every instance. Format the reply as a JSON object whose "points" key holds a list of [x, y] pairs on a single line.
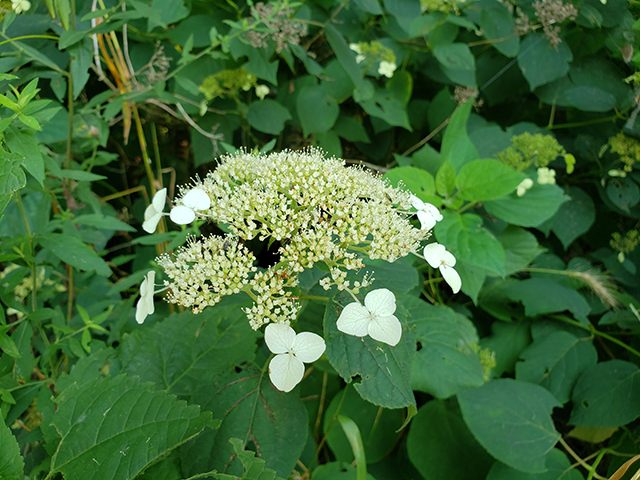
{"points": [[310, 210]]}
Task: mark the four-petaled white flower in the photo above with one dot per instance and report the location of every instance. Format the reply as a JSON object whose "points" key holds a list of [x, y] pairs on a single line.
{"points": [[438, 257], [375, 318], [546, 176], [153, 213], [525, 185], [386, 68], [145, 304], [262, 91], [195, 200], [20, 6], [292, 351], [427, 214]]}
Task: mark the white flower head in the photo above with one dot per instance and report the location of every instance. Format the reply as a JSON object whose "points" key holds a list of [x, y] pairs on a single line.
{"points": [[387, 68], [194, 201], [525, 185], [153, 213], [20, 6], [438, 257], [292, 351], [427, 214], [262, 91], [546, 176], [375, 318], [145, 304]]}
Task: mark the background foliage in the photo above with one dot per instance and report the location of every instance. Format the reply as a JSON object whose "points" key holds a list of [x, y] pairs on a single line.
{"points": [[533, 371]]}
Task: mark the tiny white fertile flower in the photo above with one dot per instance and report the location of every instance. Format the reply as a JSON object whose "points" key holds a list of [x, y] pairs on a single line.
{"points": [[427, 214], [195, 200], [546, 176], [153, 213], [20, 6], [438, 257], [525, 185], [387, 68], [375, 318], [292, 351], [262, 91], [617, 173], [145, 304]]}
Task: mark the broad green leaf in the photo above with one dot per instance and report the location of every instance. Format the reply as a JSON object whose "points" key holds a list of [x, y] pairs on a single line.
{"points": [[316, 110], [606, 395], [70, 38], [558, 468], [115, 428], [380, 372], [103, 222], [541, 295], [416, 180], [7, 344], [258, 63], [350, 129], [457, 62], [399, 276], [377, 426], [497, 23], [73, 251], [63, 8], [465, 237], [11, 463], [482, 180], [12, 176], [540, 62], [457, 149], [555, 362], [507, 341], [446, 361], [185, 350], [81, 60], [437, 438], [520, 248], [537, 205], [336, 82], [337, 471], [29, 121], [385, 105], [345, 55], [445, 180], [371, 6], [25, 362], [273, 423], [512, 421], [472, 277], [25, 145], [81, 175], [623, 192], [170, 12], [575, 217], [268, 116]]}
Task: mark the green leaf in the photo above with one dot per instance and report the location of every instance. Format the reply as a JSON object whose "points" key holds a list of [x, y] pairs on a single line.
{"points": [[170, 12], [268, 116], [10, 104], [7, 344], [468, 240], [497, 23], [457, 62], [378, 426], [575, 217], [103, 222], [29, 121], [418, 181], [11, 463], [457, 149], [623, 192], [114, 428], [63, 8], [70, 38], [558, 468], [520, 248], [537, 205], [12, 176], [436, 439], [345, 55], [316, 110], [386, 105], [446, 361], [606, 395], [25, 362], [272, 422], [350, 129], [540, 296], [73, 251], [555, 362], [540, 63], [482, 180], [381, 372], [503, 410], [26, 146], [355, 439], [445, 180], [81, 175], [81, 60], [507, 341]]}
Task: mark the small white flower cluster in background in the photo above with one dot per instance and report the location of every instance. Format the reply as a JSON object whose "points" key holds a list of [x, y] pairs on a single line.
{"points": [[546, 176], [374, 52]]}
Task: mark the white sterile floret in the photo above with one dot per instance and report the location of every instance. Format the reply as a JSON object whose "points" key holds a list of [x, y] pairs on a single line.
{"points": [[525, 185], [196, 200], [20, 6], [427, 214], [546, 176], [438, 257], [292, 351], [387, 68], [153, 213], [145, 304], [375, 318], [262, 91]]}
